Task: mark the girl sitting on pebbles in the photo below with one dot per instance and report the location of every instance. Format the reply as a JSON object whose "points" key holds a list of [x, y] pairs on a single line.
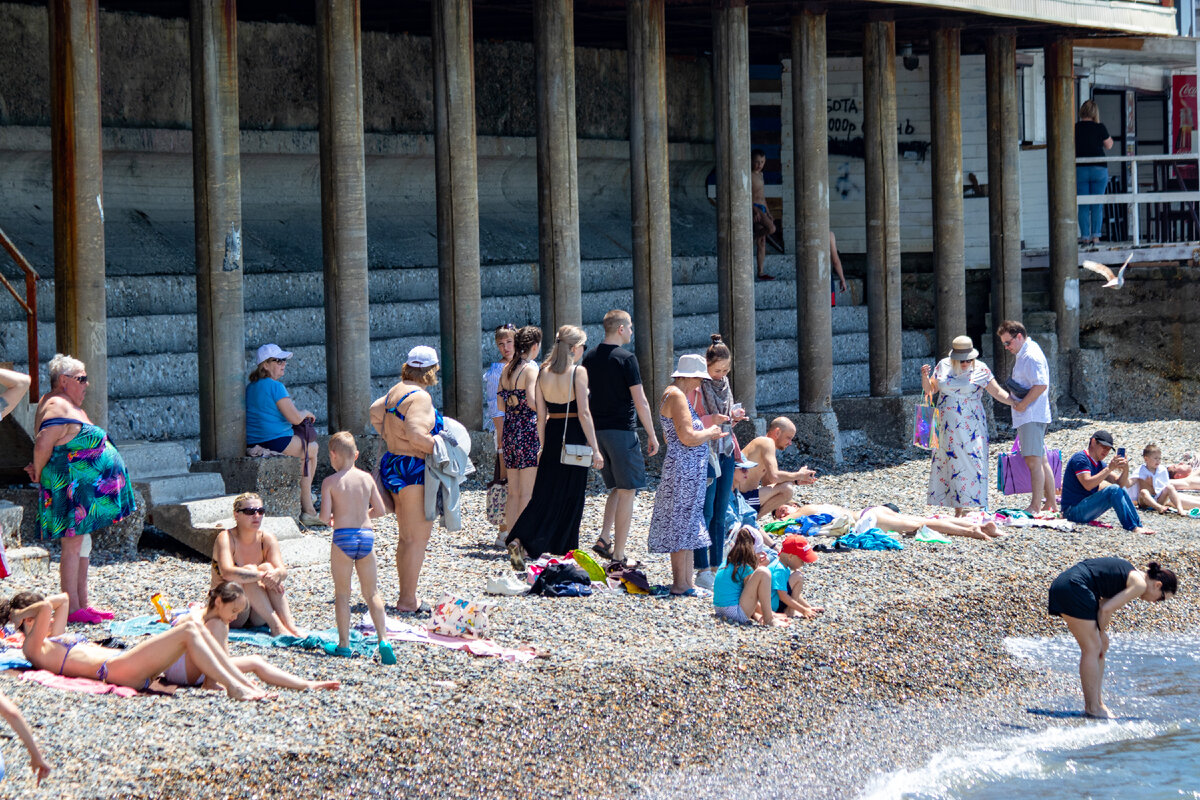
{"points": [[226, 602], [890, 520], [742, 588], [48, 646]]}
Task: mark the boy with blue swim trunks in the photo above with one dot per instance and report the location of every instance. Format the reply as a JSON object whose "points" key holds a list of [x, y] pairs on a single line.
{"points": [[349, 499]]}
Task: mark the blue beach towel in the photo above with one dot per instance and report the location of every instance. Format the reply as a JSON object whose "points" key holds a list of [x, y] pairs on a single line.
{"points": [[872, 539], [324, 640]]}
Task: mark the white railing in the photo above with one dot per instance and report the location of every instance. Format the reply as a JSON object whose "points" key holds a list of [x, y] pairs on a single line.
{"points": [[1135, 198]]}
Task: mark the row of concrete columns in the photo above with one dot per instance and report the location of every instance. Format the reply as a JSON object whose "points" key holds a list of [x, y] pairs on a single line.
{"points": [[78, 218]]}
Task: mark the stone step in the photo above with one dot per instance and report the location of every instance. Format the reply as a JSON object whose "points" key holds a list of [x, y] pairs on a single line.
{"points": [[147, 460], [182, 488], [778, 390], [11, 516], [196, 523], [27, 562]]}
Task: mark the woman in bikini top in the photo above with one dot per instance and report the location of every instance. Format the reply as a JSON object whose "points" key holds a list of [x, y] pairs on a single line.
{"points": [[48, 646], [249, 556]]}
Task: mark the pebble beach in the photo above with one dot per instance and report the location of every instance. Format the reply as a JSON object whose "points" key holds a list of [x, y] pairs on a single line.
{"points": [[633, 696]]}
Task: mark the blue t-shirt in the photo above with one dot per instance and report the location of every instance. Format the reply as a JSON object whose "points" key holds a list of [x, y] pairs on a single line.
{"points": [[1073, 492], [727, 590], [780, 575], [264, 420]]}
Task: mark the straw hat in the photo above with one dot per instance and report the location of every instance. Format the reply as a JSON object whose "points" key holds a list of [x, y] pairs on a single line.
{"points": [[963, 349]]}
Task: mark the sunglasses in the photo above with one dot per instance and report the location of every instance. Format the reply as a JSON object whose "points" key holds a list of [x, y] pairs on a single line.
{"points": [[251, 512], [81, 378], [277, 360]]}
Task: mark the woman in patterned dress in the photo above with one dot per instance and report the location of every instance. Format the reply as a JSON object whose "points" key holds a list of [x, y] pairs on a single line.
{"points": [[519, 443], [958, 475], [677, 523], [84, 485]]}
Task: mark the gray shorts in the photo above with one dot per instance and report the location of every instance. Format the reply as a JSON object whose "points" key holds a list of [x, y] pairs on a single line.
{"points": [[1033, 438], [624, 466], [732, 613]]}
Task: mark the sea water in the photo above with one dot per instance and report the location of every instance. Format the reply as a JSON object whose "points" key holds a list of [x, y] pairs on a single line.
{"points": [[1152, 751]]}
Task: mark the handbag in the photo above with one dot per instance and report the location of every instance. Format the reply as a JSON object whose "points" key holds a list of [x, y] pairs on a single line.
{"points": [[497, 496], [307, 432], [457, 616], [1015, 389], [574, 455], [1012, 473], [926, 419]]}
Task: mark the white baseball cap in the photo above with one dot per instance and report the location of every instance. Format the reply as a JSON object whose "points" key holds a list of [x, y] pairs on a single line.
{"points": [[421, 356], [271, 351]]}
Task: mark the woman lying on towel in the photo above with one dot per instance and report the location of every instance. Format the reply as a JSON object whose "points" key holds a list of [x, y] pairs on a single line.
{"points": [[48, 646], [885, 518], [226, 602]]}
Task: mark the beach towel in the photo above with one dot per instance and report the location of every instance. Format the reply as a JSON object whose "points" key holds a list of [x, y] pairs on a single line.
{"points": [[85, 685], [401, 631], [138, 626], [256, 637], [872, 539], [13, 659]]}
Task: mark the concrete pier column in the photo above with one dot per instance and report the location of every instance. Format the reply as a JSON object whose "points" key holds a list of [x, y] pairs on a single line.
{"points": [[344, 215], [948, 233], [653, 313], [814, 317], [457, 211], [558, 174], [735, 229], [1060, 180], [1004, 188], [217, 186], [80, 317], [883, 205]]}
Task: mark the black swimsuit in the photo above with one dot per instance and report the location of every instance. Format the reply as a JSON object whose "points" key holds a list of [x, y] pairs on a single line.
{"points": [[1077, 592]]}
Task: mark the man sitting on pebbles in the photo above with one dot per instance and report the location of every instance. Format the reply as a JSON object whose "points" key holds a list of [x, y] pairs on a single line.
{"points": [[765, 486], [1090, 487], [889, 519]]}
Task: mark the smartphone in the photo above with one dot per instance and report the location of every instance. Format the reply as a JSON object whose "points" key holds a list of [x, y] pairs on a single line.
{"points": [[1121, 452]]}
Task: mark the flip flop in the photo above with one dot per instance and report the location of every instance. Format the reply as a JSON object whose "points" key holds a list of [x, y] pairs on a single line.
{"points": [[386, 654], [422, 610]]}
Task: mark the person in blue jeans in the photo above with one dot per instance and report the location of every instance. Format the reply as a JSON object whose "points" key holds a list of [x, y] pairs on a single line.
{"points": [[1091, 141], [1090, 487]]}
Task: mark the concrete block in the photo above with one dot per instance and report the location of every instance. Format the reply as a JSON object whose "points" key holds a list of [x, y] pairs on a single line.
{"points": [[886, 421], [11, 515], [122, 537], [305, 551], [370, 447], [274, 478], [146, 460], [179, 488], [1090, 382], [197, 523], [817, 435], [28, 562], [25, 496]]}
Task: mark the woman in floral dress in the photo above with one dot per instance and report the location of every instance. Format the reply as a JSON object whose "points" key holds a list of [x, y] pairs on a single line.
{"points": [[677, 523], [958, 475]]}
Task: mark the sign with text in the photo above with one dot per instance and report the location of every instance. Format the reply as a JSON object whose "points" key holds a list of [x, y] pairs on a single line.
{"points": [[1183, 119]]}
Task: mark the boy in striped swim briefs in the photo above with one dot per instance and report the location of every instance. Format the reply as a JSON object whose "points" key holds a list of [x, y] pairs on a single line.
{"points": [[349, 500]]}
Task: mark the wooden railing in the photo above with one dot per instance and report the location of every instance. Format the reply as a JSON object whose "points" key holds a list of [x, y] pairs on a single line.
{"points": [[1176, 169], [29, 306]]}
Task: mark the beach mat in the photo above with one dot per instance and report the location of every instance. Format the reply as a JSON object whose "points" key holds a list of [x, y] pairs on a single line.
{"points": [[324, 640]]}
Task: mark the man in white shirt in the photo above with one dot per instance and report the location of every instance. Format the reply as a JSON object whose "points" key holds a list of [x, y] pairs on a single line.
{"points": [[1031, 412]]}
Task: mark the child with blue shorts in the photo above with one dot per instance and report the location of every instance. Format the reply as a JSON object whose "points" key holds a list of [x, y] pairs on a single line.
{"points": [[349, 500]]}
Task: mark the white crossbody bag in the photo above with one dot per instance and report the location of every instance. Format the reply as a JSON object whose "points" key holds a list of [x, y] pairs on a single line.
{"points": [[574, 455]]}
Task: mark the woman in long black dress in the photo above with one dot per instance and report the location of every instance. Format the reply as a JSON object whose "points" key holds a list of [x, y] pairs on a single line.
{"points": [[1087, 595], [550, 522]]}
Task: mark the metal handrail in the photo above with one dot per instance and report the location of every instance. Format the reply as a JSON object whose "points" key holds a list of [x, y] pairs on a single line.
{"points": [[29, 306], [1136, 197]]}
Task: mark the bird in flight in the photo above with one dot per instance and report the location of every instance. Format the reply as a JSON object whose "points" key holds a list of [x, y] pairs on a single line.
{"points": [[1114, 281]]}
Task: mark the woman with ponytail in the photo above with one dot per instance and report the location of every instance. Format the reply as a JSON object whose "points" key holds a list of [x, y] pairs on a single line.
{"points": [[550, 521], [519, 442], [1087, 595]]}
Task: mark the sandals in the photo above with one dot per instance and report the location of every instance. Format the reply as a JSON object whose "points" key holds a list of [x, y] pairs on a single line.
{"points": [[514, 556], [625, 563], [423, 610], [604, 548]]}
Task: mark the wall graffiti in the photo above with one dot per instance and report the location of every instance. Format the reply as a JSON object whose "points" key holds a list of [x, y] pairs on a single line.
{"points": [[845, 132], [845, 185]]}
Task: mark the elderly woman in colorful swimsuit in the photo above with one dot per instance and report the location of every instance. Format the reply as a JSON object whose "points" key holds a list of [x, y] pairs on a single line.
{"points": [[84, 485], [407, 421]]}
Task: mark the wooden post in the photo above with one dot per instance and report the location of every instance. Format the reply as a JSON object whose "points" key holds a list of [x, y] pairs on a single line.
{"points": [[883, 205], [653, 313], [1060, 179], [948, 233], [344, 216], [814, 316], [80, 316], [457, 211], [217, 187], [1004, 189], [558, 175]]}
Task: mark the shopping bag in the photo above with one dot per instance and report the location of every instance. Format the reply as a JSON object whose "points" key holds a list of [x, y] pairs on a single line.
{"points": [[1012, 474], [497, 496], [925, 424], [456, 616]]}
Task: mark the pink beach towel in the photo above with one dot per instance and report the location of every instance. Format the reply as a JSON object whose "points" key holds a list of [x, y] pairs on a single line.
{"points": [[397, 630], [85, 685]]}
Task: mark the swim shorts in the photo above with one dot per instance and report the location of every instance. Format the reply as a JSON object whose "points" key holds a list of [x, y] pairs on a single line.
{"points": [[355, 543]]}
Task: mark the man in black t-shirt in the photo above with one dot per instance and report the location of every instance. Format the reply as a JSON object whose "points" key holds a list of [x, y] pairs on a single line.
{"points": [[617, 400]]}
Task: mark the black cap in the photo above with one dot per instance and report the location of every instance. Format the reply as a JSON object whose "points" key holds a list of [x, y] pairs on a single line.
{"points": [[1104, 438]]}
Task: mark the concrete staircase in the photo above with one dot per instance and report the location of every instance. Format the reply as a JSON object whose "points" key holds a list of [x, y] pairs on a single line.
{"points": [[192, 507]]}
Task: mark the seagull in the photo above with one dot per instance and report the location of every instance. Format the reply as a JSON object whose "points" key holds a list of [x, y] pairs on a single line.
{"points": [[1114, 281]]}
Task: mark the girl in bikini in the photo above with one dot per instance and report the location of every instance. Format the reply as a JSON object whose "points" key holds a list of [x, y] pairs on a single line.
{"points": [[48, 646], [248, 555], [889, 520], [226, 602]]}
